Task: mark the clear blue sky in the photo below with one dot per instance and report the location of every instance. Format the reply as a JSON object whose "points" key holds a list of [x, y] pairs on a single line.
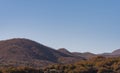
{"points": [[78, 25]]}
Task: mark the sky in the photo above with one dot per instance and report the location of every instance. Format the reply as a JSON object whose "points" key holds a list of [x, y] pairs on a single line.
{"points": [[77, 25]]}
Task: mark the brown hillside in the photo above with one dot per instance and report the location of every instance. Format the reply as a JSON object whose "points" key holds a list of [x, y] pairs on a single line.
{"points": [[27, 52]]}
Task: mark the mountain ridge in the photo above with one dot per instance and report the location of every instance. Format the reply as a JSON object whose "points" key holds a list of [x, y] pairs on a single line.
{"points": [[26, 52], [21, 50]]}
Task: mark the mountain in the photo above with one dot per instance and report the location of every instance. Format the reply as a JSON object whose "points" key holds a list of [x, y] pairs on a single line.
{"points": [[25, 52], [65, 51], [85, 55], [88, 55], [71, 59], [116, 52]]}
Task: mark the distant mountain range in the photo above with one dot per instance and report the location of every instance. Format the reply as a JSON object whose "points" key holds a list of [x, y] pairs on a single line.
{"points": [[25, 52]]}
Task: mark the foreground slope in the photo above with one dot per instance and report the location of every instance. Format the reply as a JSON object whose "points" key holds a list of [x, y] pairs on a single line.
{"points": [[98, 64]]}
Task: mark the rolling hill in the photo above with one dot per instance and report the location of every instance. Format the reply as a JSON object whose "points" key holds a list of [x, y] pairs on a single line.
{"points": [[25, 52]]}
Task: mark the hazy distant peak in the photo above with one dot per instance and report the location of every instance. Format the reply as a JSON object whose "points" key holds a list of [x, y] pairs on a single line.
{"points": [[116, 52]]}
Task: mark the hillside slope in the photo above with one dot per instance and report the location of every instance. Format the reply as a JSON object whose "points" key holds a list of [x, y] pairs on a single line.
{"points": [[27, 52]]}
